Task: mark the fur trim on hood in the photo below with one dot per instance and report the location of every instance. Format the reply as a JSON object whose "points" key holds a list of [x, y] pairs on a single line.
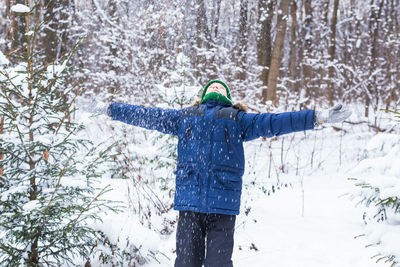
{"points": [[240, 105]]}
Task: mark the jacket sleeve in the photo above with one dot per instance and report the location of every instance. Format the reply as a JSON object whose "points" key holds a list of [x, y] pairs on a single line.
{"points": [[273, 124], [162, 120]]}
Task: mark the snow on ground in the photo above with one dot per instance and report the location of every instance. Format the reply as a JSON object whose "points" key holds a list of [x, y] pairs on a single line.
{"points": [[283, 238], [323, 237]]}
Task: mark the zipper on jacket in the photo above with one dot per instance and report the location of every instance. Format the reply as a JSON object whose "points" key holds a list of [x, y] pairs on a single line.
{"points": [[188, 132], [227, 140], [213, 120]]}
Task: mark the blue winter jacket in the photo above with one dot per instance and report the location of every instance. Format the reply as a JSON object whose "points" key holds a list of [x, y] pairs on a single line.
{"points": [[210, 147]]}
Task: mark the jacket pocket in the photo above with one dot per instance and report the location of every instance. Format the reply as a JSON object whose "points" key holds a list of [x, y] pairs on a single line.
{"points": [[186, 176], [187, 191], [227, 180]]}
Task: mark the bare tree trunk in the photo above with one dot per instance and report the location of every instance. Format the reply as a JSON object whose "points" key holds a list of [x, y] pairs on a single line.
{"points": [[293, 57], [396, 93], [351, 29], [6, 30], [1, 152], [115, 87], [277, 52], [216, 11], [202, 37], [332, 49], [307, 51], [391, 60], [242, 51], [320, 42], [213, 34], [17, 27], [374, 31], [202, 32], [55, 33], [264, 42], [355, 34]]}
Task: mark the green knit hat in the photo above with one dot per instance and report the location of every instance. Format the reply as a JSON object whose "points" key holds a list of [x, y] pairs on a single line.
{"points": [[215, 95]]}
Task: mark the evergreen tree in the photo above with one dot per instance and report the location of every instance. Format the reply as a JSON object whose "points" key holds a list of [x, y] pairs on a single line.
{"points": [[48, 192]]}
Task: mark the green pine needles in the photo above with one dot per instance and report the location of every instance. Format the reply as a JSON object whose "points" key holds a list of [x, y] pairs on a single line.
{"points": [[48, 172], [383, 208], [377, 191]]}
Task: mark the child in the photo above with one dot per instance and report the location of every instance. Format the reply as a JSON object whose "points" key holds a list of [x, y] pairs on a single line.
{"points": [[211, 163]]}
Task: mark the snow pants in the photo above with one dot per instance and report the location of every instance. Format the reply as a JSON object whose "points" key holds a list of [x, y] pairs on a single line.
{"points": [[204, 239]]}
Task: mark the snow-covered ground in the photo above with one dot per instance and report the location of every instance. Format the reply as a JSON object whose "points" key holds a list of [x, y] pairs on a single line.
{"points": [[324, 236], [282, 237]]}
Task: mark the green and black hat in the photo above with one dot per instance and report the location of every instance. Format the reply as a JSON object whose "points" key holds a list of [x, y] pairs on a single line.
{"points": [[215, 95]]}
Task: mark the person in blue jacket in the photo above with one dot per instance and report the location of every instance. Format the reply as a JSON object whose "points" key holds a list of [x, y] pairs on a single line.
{"points": [[211, 163]]}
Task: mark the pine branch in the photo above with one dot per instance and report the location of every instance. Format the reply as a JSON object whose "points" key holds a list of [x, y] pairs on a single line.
{"points": [[65, 115], [101, 154], [16, 156], [55, 190], [88, 206], [13, 85]]}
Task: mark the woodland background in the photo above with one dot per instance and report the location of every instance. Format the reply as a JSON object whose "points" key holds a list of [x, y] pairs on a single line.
{"points": [[288, 52]]}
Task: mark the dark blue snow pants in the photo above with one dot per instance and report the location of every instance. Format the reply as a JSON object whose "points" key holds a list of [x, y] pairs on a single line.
{"points": [[204, 239]]}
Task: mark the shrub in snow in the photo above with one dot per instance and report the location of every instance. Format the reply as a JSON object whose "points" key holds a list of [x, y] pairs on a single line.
{"points": [[378, 188], [48, 171]]}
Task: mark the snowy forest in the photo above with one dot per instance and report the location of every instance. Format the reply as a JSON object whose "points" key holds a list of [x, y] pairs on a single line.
{"points": [[79, 189]]}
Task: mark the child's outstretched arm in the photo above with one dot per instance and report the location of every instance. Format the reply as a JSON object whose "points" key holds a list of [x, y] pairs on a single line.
{"points": [[162, 120], [274, 124]]}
